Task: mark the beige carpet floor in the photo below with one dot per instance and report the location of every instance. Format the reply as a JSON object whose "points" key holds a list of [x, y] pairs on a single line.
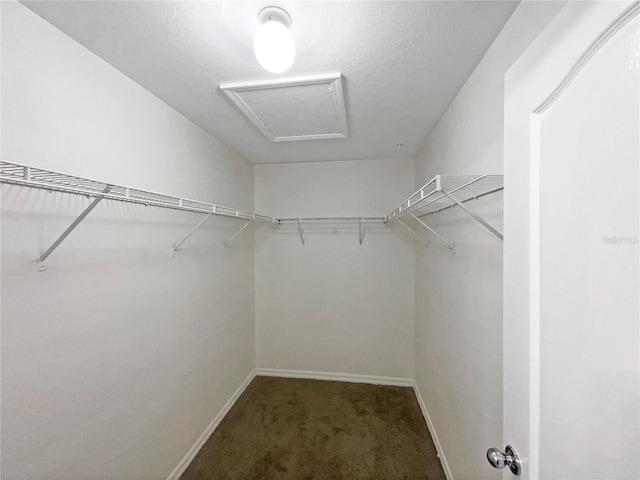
{"points": [[285, 429]]}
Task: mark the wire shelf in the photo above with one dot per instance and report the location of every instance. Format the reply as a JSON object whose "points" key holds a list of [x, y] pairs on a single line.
{"points": [[439, 194], [18, 174], [283, 220], [436, 195], [447, 191]]}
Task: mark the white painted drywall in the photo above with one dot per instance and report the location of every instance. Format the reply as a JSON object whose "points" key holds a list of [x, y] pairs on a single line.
{"points": [[117, 357], [458, 343], [333, 305]]}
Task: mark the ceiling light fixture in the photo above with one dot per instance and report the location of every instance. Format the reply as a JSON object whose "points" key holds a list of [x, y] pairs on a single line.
{"points": [[273, 44]]}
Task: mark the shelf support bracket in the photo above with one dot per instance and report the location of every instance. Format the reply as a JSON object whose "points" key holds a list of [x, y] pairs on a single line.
{"points": [[173, 251], [432, 231], [70, 228], [410, 230], [474, 215], [300, 232], [360, 231], [238, 232]]}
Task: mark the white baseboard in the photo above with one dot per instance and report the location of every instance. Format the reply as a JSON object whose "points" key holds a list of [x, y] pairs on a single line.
{"points": [[432, 431], [338, 377], [193, 451]]}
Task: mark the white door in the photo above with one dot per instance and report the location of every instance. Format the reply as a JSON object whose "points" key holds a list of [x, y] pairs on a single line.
{"points": [[571, 297]]}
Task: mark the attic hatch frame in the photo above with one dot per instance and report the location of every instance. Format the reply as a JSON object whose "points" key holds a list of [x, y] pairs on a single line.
{"points": [[333, 81], [437, 195]]}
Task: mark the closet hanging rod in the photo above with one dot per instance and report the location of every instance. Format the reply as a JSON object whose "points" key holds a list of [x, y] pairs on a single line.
{"points": [[24, 175], [298, 221], [329, 219]]}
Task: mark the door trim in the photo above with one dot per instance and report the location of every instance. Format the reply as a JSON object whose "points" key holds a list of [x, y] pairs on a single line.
{"points": [[613, 28]]}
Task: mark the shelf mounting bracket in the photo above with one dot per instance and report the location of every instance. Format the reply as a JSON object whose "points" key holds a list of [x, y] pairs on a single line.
{"points": [[70, 228], [238, 232], [453, 249], [410, 230], [477, 217], [173, 250], [360, 231], [300, 232]]}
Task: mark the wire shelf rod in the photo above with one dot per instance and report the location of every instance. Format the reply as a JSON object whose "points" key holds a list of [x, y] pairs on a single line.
{"points": [[475, 197], [24, 175], [329, 219]]}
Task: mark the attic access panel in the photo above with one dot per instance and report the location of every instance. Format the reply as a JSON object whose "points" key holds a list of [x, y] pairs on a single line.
{"points": [[287, 110]]}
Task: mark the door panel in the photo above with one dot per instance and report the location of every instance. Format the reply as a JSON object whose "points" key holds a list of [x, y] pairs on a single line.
{"points": [[589, 328], [572, 292]]}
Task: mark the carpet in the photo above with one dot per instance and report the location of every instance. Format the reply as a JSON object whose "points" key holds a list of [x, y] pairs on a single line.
{"points": [[282, 428]]}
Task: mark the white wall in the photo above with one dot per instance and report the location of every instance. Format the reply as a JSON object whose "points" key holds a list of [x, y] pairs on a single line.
{"points": [[333, 305], [117, 357], [458, 343]]}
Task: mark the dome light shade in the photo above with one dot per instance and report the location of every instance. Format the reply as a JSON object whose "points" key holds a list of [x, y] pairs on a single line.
{"points": [[274, 46]]}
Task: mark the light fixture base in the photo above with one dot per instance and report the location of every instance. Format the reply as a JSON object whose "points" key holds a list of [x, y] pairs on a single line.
{"points": [[276, 14]]}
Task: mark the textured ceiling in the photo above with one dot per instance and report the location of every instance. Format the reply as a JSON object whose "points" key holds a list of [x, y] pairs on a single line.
{"points": [[402, 62]]}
